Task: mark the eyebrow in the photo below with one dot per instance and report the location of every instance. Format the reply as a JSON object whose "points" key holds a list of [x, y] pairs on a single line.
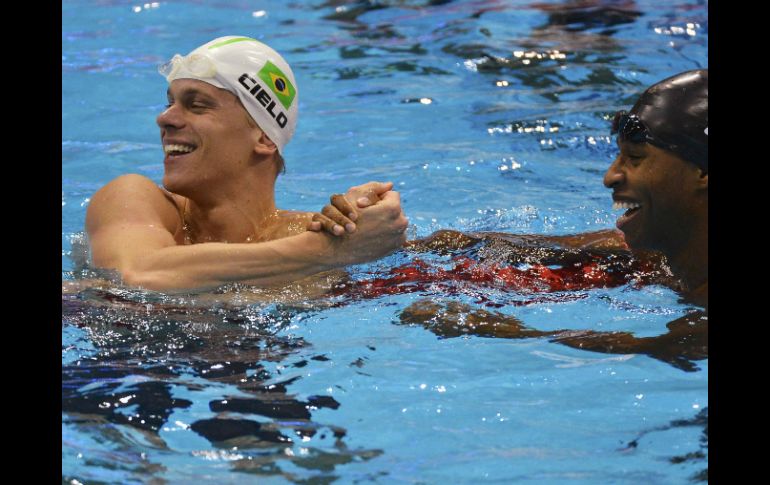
{"points": [[191, 92], [635, 149], [187, 92]]}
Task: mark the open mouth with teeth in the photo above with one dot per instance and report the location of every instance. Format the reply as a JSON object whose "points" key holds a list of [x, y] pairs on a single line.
{"points": [[631, 208], [175, 150]]}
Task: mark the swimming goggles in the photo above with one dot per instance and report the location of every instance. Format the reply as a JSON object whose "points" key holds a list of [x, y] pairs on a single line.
{"points": [[630, 127], [199, 65]]}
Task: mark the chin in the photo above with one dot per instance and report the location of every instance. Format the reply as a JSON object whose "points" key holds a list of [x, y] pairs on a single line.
{"points": [[171, 185], [642, 241], [167, 183], [633, 240]]}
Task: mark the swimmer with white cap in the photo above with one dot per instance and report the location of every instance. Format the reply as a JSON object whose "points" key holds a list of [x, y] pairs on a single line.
{"points": [[253, 71], [232, 108]]}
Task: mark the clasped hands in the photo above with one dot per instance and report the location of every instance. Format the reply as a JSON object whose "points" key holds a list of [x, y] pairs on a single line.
{"points": [[367, 222]]}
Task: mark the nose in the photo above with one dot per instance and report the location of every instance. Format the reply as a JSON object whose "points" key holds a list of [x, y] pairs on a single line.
{"points": [[170, 117], [614, 175]]}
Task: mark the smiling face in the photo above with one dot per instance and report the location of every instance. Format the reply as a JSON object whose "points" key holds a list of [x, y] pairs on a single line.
{"points": [[659, 193], [208, 138]]}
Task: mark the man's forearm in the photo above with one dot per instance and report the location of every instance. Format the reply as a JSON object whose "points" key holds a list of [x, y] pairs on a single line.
{"points": [[604, 239], [210, 265], [444, 240]]}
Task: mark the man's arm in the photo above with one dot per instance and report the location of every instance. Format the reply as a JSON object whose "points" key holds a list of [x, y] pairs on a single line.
{"points": [[338, 217], [686, 339], [447, 240], [131, 225]]}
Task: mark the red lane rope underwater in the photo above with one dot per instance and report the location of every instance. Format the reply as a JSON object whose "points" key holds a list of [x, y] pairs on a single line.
{"points": [[531, 279]]}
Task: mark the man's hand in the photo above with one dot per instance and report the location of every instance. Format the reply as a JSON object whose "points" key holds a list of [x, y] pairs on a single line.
{"points": [[339, 216], [381, 230]]}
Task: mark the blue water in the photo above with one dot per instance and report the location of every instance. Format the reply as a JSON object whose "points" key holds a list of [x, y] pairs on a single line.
{"points": [[487, 115]]}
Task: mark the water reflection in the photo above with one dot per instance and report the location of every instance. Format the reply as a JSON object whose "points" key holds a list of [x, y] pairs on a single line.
{"points": [[583, 15], [152, 353]]}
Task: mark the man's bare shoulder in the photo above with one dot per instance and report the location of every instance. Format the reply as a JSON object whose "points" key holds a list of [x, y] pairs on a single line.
{"points": [[133, 198], [128, 218]]}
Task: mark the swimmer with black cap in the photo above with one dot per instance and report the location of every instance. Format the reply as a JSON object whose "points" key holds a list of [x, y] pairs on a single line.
{"points": [[232, 108], [660, 176], [660, 180]]}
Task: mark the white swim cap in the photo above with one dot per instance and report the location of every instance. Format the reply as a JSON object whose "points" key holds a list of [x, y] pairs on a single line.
{"points": [[251, 70]]}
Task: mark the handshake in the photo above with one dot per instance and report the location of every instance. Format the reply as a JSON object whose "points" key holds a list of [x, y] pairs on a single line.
{"points": [[366, 222]]}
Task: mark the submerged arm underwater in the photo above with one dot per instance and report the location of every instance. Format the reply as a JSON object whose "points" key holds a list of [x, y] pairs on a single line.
{"points": [[686, 340]]}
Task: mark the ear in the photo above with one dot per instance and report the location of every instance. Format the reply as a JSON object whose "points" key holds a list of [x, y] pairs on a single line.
{"points": [[264, 145], [703, 179]]}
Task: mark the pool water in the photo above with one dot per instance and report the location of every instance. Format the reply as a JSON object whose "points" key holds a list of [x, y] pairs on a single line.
{"points": [[488, 116]]}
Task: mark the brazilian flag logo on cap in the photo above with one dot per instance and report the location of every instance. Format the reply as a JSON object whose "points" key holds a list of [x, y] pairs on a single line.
{"points": [[279, 83]]}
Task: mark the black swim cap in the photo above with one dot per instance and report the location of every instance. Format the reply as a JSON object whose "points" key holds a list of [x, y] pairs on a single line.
{"points": [[672, 115]]}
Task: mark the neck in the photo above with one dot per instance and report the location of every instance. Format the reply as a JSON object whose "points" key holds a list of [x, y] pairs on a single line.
{"points": [[689, 262], [242, 216], [699, 295]]}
